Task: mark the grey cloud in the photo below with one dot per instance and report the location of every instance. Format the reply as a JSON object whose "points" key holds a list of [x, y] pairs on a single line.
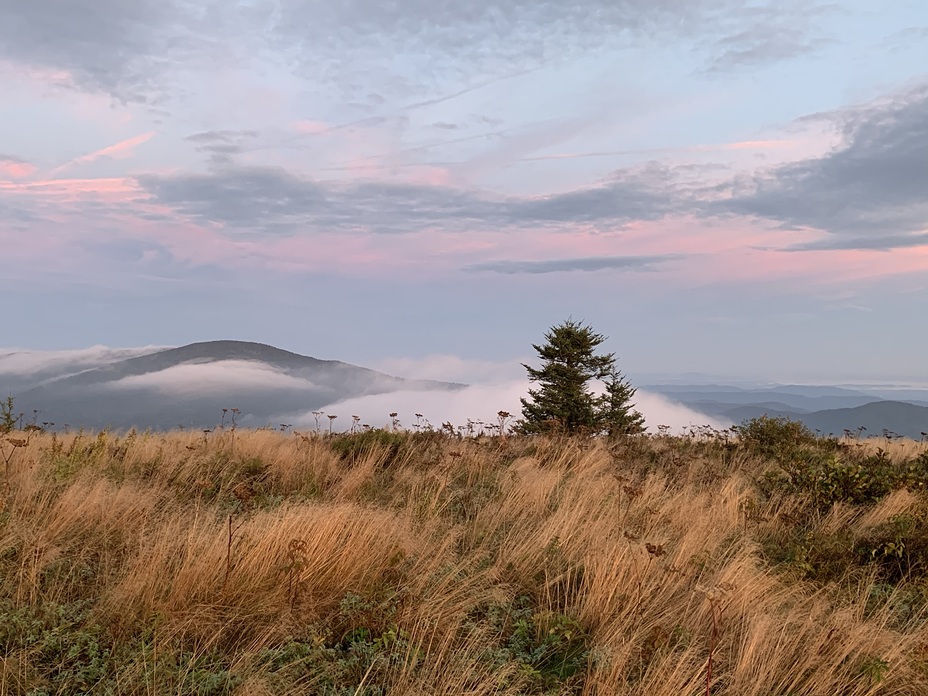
{"points": [[868, 193], [154, 217], [274, 200], [483, 119], [647, 193], [222, 145], [18, 215], [754, 35], [224, 136], [445, 126], [11, 159], [125, 251], [882, 243], [759, 47], [106, 45], [237, 197], [587, 264]]}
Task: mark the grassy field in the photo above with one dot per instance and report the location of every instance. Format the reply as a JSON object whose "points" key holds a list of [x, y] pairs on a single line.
{"points": [[258, 562]]}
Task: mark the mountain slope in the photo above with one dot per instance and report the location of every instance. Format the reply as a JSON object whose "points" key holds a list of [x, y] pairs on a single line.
{"points": [[792, 398], [900, 417], [189, 386]]}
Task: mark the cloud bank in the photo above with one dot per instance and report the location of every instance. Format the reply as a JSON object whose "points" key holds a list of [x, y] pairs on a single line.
{"points": [[217, 377], [480, 403], [272, 199], [64, 362]]}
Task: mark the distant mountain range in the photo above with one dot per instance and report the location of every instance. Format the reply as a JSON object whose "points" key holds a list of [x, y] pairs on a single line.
{"points": [[827, 410], [160, 388], [163, 388]]}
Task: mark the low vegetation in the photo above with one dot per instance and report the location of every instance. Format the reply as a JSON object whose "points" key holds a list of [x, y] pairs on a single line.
{"points": [[766, 562]]}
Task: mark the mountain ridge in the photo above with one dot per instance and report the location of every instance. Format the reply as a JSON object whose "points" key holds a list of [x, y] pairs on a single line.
{"points": [[189, 385], [828, 410]]}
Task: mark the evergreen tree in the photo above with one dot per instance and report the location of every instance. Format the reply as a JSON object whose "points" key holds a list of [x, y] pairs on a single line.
{"points": [[563, 400], [617, 413]]}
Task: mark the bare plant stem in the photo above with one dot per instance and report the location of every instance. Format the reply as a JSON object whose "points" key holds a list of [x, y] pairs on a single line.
{"points": [[231, 536], [235, 413], [7, 458]]}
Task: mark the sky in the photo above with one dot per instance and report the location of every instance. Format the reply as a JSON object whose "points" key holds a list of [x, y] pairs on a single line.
{"points": [[731, 189]]}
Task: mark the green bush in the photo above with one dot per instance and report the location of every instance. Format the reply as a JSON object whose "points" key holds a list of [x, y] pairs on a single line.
{"points": [[828, 478], [824, 470], [777, 438], [361, 643], [899, 547], [550, 649], [67, 651]]}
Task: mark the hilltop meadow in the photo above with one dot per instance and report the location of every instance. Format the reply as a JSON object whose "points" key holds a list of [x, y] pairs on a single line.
{"points": [[765, 562]]}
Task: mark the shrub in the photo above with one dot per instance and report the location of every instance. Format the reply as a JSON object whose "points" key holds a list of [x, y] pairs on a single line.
{"points": [[899, 547], [777, 438], [828, 478]]}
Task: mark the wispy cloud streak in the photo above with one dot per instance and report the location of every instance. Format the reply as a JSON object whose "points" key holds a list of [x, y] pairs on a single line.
{"points": [[124, 148], [589, 264]]}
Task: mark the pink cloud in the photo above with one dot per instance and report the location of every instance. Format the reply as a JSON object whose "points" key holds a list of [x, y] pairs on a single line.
{"points": [[716, 252], [63, 190], [736, 251], [820, 268], [716, 255], [14, 169], [758, 145], [719, 253]]}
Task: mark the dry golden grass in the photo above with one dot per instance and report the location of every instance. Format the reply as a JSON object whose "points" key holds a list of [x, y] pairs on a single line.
{"points": [[895, 447], [632, 552]]}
